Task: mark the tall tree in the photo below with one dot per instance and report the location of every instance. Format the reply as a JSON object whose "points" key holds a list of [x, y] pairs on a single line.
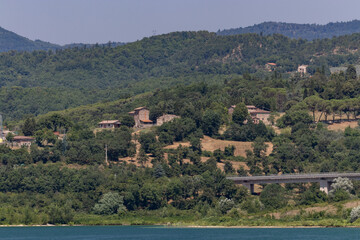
{"points": [[240, 114]]}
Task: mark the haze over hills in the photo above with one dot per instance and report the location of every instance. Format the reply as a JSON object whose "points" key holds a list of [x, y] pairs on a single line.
{"points": [[294, 30], [11, 41]]}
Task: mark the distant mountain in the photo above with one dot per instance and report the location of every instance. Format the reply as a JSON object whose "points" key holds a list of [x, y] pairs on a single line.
{"points": [[294, 30], [82, 45], [12, 41]]}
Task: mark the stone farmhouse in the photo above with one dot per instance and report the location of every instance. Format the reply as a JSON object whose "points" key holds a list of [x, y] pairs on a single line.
{"points": [[141, 117], [255, 113], [165, 118]]}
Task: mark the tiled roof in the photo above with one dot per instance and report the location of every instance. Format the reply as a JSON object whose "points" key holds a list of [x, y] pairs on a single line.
{"points": [[139, 108], [146, 121], [109, 122], [23, 138]]}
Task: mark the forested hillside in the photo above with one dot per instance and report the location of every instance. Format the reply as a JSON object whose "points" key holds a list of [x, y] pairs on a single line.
{"points": [[294, 30], [42, 81]]}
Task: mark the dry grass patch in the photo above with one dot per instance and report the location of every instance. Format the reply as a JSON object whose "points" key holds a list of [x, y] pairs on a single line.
{"points": [[342, 126], [211, 144]]}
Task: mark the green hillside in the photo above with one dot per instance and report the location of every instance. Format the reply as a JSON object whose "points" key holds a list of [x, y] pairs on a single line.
{"points": [[42, 81], [294, 30]]}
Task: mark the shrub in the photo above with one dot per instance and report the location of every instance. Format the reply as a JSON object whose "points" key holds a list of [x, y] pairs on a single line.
{"points": [[355, 214], [273, 196], [341, 189], [225, 205], [110, 203]]}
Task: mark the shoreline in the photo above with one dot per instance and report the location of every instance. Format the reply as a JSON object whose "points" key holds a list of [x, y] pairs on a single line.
{"points": [[173, 226]]}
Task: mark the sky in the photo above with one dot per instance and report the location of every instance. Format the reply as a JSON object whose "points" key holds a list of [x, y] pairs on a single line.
{"points": [[101, 21]]}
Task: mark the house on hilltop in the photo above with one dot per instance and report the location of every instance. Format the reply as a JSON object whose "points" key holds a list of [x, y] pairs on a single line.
{"points": [[302, 69], [270, 66], [258, 115], [20, 141], [109, 124], [141, 117]]}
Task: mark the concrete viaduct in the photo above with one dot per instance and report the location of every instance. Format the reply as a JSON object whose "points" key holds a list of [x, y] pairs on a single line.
{"points": [[325, 179]]}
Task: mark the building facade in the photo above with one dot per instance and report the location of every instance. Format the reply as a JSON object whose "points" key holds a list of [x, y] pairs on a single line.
{"points": [[21, 141], [165, 118], [141, 117], [109, 124]]}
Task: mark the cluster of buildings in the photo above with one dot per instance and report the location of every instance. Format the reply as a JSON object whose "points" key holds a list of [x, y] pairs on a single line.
{"points": [[17, 141], [255, 113], [142, 120], [302, 69], [141, 117]]}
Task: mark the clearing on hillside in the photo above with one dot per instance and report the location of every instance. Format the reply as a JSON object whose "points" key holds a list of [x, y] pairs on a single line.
{"points": [[343, 125], [211, 144]]}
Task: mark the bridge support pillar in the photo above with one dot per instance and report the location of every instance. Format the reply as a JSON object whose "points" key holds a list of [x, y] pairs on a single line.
{"points": [[249, 186], [325, 186]]}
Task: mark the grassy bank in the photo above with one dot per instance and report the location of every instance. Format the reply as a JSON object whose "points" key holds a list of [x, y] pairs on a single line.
{"points": [[322, 215]]}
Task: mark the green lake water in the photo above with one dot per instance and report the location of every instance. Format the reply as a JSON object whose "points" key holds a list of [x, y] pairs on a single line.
{"points": [[172, 233]]}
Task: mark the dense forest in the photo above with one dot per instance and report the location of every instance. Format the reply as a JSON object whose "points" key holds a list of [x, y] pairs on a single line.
{"points": [[294, 30], [43, 81]]}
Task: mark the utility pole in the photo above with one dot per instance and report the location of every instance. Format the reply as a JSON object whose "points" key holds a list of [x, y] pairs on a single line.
{"points": [[1, 130], [106, 155], [64, 142]]}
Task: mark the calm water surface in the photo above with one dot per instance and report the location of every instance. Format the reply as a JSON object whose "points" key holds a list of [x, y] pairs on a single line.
{"points": [[165, 233]]}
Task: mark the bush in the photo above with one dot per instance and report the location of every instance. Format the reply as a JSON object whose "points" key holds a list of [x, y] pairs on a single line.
{"points": [[340, 189], [225, 205], [342, 183], [110, 203], [355, 214], [273, 196]]}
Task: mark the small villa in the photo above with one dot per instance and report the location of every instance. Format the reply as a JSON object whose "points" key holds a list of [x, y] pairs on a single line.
{"points": [[20, 141], [270, 66], [109, 124], [255, 113], [302, 69]]}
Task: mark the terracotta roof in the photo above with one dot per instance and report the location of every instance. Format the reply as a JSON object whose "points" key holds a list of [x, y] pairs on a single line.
{"points": [[109, 122], [146, 121], [272, 64], [250, 106], [132, 112], [23, 138], [139, 108], [257, 111]]}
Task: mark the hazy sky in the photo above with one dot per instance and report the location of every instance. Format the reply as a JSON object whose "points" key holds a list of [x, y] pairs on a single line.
{"points": [[91, 21]]}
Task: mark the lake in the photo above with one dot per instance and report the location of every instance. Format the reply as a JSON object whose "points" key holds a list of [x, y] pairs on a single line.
{"points": [[173, 233]]}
